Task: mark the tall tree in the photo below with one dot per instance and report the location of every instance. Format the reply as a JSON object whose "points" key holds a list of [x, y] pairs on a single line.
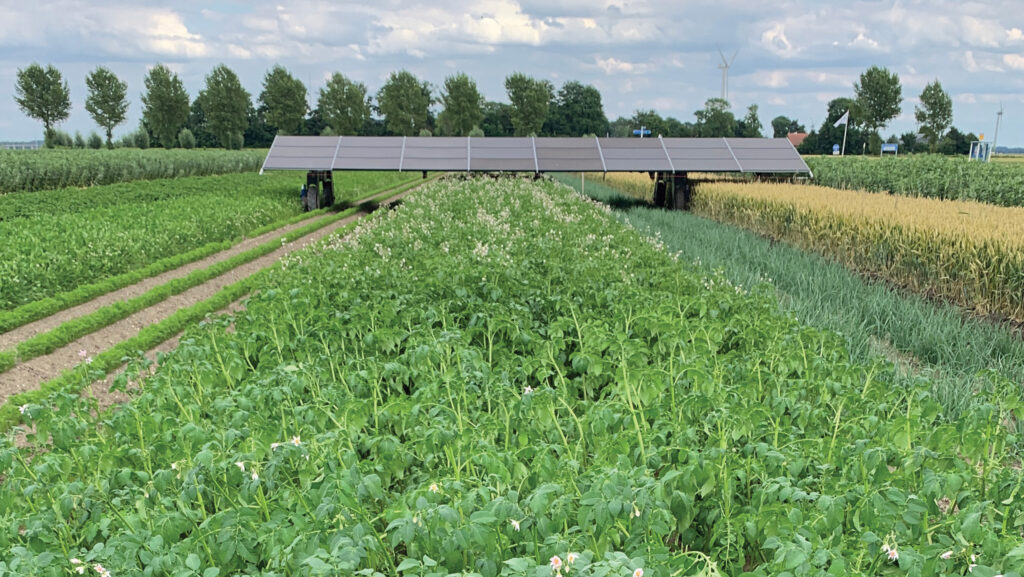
{"points": [[750, 126], [648, 119], [283, 100], [344, 105], [530, 100], [463, 106], [577, 110], [879, 95], [783, 126], [42, 93], [107, 102], [405, 102], [226, 106], [935, 114], [497, 119], [715, 119], [165, 107]]}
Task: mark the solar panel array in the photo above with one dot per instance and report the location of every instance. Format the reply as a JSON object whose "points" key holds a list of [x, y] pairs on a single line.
{"points": [[417, 153]]}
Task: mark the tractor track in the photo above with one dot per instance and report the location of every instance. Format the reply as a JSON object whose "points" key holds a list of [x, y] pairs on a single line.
{"points": [[32, 373]]}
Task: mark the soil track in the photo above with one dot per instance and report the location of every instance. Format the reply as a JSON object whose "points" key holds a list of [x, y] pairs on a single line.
{"points": [[30, 374]]}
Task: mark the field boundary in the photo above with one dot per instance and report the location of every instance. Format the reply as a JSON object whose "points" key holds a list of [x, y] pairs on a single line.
{"points": [[152, 335], [31, 312]]}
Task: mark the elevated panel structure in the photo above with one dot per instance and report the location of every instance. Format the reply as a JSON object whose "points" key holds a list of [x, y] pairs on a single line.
{"points": [[589, 154], [302, 153]]}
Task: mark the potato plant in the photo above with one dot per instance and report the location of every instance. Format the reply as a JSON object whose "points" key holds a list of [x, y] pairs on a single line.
{"points": [[499, 378], [57, 240]]}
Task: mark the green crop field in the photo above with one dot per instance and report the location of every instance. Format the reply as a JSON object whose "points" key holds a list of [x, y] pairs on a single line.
{"points": [[61, 239], [930, 176], [500, 378], [48, 169]]}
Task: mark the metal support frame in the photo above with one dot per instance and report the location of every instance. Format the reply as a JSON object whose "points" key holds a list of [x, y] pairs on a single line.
{"points": [[672, 190]]}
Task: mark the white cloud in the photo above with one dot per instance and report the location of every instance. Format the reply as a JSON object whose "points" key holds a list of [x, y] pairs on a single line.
{"points": [[1015, 61], [775, 39]]}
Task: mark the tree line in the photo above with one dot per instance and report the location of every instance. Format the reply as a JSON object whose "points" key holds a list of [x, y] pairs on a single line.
{"points": [[224, 114], [876, 100]]}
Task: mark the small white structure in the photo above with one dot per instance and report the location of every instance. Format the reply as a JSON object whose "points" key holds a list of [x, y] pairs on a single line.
{"points": [[980, 151]]}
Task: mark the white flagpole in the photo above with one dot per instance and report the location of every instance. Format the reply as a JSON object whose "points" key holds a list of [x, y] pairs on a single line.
{"points": [[845, 128]]}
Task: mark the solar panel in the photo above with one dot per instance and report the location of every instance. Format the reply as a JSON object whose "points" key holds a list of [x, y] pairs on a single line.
{"points": [[301, 153], [568, 155], [629, 155], [502, 154], [436, 153], [534, 154]]}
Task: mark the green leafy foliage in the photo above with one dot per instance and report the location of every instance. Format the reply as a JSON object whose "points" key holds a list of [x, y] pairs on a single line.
{"points": [[498, 378], [344, 105], [225, 104], [50, 169], [530, 98], [68, 238], [42, 93], [107, 102], [930, 176], [284, 98], [462, 106], [404, 102], [165, 105]]}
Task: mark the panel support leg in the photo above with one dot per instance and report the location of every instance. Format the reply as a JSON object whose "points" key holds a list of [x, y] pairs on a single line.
{"points": [[659, 190], [681, 191]]}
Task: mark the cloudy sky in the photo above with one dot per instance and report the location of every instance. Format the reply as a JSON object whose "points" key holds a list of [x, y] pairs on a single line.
{"points": [[793, 55]]}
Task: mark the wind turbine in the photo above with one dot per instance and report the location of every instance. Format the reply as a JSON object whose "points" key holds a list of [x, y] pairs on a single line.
{"points": [[999, 119], [724, 67]]}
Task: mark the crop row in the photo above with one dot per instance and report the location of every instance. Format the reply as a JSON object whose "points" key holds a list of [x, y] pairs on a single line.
{"points": [[930, 176], [60, 240], [965, 252], [499, 378], [49, 169]]}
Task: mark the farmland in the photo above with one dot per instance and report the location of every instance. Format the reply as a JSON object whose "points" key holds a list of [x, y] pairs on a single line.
{"points": [[967, 252], [930, 176], [53, 169], [68, 238], [506, 375]]}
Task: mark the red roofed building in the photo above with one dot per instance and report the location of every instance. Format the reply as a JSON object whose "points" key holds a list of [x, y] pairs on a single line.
{"points": [[797, 138]]}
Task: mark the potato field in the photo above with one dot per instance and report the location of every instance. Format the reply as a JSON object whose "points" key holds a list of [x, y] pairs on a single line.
{"points": [[494, 376]]}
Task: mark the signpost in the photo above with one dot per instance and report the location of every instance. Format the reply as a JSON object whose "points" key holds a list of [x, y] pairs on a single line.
{"points": [[642, 132], [835, 150], [890, 147]]}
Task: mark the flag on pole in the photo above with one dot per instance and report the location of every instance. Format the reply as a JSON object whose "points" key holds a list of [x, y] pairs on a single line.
{"points": [[843, 119]]}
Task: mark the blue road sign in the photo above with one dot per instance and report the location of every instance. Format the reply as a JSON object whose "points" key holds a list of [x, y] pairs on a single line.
{"points": [[644, 132]]}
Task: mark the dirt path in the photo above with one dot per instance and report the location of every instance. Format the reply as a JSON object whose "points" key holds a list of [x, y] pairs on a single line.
{"points": [[30, 374], [11, 338]]}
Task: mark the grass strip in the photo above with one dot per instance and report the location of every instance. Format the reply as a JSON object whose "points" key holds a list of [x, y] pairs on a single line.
{"points": [[30, 312], [60, 336], [956, 352], [104, 363]]}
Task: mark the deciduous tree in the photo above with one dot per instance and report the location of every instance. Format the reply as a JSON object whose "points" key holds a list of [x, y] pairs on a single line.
{"points": [[463, 106], [405, 102], [879, 94], [283, 100], [42, 93], [715, 119], [107, 102], [165, 106], [935, 114], [577, 111], [226, 106], [530, 100]]}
